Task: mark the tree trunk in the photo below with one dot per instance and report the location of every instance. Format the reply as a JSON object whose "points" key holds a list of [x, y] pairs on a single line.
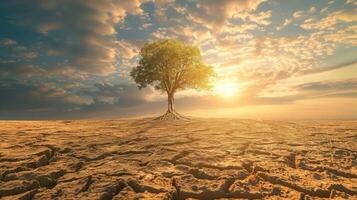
{"points": [[171, 114], [170, 102]]}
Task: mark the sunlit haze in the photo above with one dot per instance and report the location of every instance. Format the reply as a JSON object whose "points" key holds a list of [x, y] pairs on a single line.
{"points": [[226, 89]]}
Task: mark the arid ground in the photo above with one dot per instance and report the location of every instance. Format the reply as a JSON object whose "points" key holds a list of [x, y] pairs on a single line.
{"points": [[195, 159]]}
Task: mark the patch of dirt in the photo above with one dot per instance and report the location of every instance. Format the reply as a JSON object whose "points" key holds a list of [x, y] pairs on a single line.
{"points": [[180, 159]]}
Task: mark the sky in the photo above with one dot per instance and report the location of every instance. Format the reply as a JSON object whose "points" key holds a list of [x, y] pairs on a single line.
{"points": [[274, 59]]}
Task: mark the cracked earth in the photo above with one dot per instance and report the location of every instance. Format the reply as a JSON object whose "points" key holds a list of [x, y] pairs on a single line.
{"points": [[196, 159]]}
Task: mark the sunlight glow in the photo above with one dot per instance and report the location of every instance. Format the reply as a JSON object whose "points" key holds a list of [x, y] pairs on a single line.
{"points": [[226, 89]]}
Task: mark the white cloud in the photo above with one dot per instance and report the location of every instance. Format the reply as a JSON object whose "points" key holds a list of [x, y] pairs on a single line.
{"points": [[312, 9], [126, 50], [286, 23], [329, 22], [298, 14], [223, 10]]}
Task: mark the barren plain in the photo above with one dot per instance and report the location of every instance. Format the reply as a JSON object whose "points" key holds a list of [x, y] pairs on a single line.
{"points": [[193, 159]]}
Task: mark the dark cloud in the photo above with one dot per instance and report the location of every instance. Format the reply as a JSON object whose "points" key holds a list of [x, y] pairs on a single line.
{"points": [[82, 32], [18, 69], [74, 46], [43, 99], [19, 95], [16, 51], [124, 95]]}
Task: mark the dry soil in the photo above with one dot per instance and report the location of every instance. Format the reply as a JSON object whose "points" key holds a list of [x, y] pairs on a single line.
{"points": [[194, 159]]}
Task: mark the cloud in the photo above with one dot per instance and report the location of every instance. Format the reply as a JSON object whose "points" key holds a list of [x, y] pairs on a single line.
{"points": [[231, 62], [15, 50], [7, 42], [312, 9], [347, 16], [127, 51], [261, 18], [81, 32], [13, 68], [330, 22], [337, 86], [185, 33], [298, 14], [223, 11], [286, 23], [162, 8], [124, 95], [56, 100], [18, 95], [328, 68]]}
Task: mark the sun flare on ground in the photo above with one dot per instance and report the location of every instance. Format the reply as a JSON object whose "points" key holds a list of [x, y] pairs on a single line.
{"points": [[226, 89]]}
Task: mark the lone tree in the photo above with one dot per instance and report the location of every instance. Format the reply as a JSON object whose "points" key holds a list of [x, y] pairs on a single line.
{"points": [[170, 66]]}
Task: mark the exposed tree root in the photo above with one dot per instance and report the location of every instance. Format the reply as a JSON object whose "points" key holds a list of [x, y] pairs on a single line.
{"points": [[171, 115]]}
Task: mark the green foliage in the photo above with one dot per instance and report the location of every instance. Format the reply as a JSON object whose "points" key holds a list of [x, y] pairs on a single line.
{"points": [[172, 65]]}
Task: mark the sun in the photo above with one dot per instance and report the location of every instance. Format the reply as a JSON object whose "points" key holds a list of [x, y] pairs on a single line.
{"points": [[225, 89]]}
